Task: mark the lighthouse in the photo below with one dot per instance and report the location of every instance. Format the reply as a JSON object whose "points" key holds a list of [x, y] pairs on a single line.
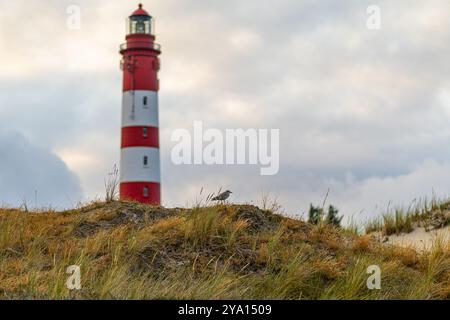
{"points": [[140, 175]]}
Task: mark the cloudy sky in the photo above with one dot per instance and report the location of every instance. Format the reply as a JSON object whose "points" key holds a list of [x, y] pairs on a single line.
{"points": [[363, 113]]}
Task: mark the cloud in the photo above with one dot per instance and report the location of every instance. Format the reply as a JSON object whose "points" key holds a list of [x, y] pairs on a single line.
{"points": [[32, 174], [365, 198]]}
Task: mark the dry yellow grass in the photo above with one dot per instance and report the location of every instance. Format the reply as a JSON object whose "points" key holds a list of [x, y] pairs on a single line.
{"points": [[133, 251]]}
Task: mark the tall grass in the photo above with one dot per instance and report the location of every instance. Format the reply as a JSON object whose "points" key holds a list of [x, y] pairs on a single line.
{"points": [[112, 185], [205, 253], [401, 220]]}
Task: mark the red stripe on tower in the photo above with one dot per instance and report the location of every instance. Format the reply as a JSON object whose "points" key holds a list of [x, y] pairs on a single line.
{"points": [[133, 190], [140, 137], [139, 162]]}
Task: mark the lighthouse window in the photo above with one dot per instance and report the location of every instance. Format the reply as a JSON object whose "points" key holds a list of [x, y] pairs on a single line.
{"points": [[145, 161], [145, 101], [145, 132], [139, 25], [146, 192]]}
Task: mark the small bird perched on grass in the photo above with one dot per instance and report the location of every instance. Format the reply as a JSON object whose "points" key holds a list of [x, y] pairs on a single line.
{"points": [[223, 196]]}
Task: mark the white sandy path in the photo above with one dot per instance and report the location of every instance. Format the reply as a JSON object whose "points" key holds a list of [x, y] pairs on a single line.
{"points": [[420, 239]]}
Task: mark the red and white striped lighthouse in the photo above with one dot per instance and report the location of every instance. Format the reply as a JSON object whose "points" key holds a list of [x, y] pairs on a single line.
{"points": [[139, 161]]}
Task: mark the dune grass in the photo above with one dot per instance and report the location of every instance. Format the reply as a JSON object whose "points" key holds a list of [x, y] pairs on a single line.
{"points": [[132, 251], [423, 213]]}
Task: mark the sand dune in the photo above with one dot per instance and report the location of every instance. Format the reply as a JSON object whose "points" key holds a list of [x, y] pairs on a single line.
{"points": [[420, 239]]}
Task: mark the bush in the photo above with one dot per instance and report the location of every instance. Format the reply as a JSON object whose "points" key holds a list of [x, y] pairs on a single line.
{"points": [[317, 215], [333, 217]]}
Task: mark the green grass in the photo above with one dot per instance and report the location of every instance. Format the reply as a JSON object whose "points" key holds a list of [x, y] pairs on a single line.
{"points": [[133, 251], [422, 213], [399, 222]]}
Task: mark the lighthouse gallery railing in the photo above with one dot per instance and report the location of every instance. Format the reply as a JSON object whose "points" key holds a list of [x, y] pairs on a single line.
{"points": [[140, 45]]}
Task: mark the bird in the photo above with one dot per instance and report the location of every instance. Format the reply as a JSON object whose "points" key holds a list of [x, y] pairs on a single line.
{"points": [[223, 196]]}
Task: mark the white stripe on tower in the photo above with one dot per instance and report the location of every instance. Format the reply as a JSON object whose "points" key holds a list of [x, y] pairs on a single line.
{"points": [[140, 109], [140, 164]]}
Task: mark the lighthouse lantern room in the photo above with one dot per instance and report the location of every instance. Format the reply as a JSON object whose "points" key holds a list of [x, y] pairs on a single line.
{"points": [[140, 160]]}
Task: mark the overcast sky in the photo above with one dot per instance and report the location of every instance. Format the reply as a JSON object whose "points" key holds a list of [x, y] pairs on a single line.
{"points": [[364, 113]]}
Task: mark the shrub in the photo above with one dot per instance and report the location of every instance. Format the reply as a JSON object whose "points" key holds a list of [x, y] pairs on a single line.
{"points": [[317, 215]]}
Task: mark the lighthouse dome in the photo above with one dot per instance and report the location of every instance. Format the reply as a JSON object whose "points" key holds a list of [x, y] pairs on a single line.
{"points": [[140, 11], [140, 22]]}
